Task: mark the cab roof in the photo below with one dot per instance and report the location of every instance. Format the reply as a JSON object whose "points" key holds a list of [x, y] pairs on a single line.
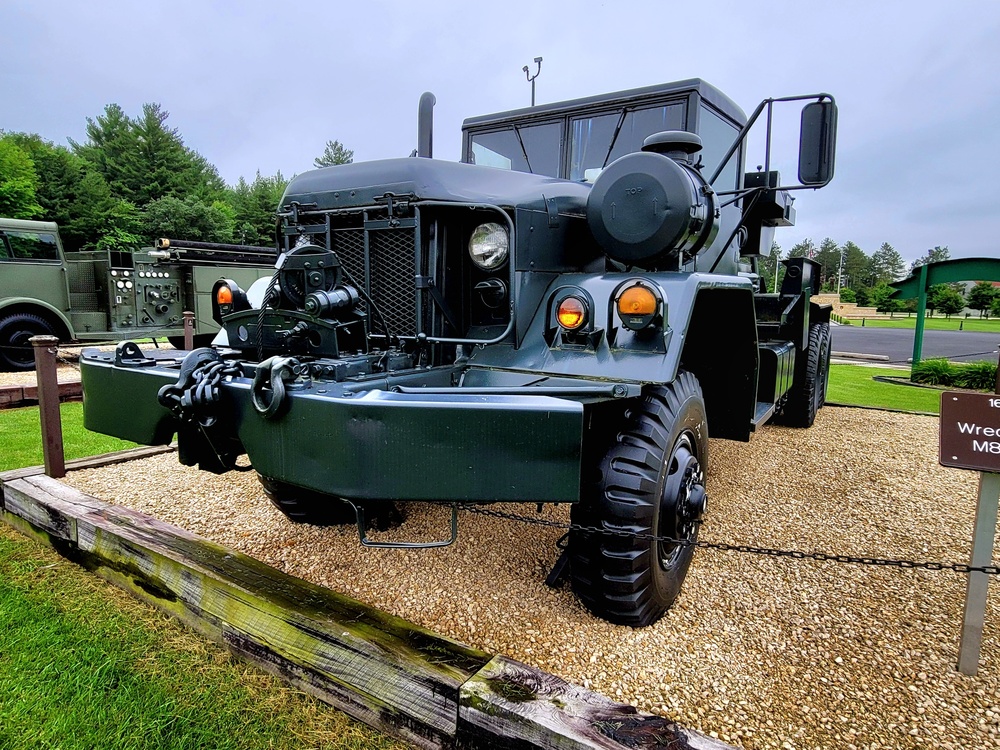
{"points": [[705, 90]]}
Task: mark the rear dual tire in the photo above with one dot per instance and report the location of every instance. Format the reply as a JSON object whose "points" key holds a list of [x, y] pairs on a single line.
{"points": [[809, 392]]}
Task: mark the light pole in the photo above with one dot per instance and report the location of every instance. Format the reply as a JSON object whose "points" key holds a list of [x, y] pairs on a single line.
{"points": [[531, 78], [840, 272]]}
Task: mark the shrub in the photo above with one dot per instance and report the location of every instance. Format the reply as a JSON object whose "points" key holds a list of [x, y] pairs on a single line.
{"points": [[934, 372], [981, 376]]}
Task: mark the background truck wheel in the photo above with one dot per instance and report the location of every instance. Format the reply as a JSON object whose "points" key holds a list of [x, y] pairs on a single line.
{"points": [[16, 352], [650, 482], [306, 506], [809, 394]]}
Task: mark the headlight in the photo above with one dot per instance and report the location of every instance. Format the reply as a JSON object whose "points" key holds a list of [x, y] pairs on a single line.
{"points": [[489, 246]]}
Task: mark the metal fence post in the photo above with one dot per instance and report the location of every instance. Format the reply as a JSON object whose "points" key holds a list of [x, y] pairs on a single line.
{"points": [[48, 404], [188, 330]]}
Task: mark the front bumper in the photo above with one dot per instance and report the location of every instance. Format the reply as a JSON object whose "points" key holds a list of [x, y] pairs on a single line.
{"points": [[366, 444]]}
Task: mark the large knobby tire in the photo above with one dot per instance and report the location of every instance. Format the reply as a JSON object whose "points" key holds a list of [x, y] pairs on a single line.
{"points": [[16, 352], [650, 481], [306, 506], [809, 393]]}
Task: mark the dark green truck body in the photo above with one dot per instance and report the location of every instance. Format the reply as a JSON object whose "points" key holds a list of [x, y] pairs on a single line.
{"points": [[394, 357]]}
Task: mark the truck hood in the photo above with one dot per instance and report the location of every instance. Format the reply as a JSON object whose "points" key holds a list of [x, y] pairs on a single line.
{"points": [[353, 185]]}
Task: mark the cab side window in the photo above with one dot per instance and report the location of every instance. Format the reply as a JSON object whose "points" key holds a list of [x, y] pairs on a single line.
{"points": [[28, 246]]}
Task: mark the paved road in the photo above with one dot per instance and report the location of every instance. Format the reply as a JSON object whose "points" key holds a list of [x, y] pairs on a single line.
{"points": [[897, 343]]}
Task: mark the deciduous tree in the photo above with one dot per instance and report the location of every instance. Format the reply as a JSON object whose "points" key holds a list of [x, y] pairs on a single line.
{"points": [[981, 296], [18, 182]]}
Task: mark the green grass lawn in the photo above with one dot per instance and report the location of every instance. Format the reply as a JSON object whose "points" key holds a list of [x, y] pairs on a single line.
{"points": [[853, 384], [21, 437], [83, 665], [955, 323]]}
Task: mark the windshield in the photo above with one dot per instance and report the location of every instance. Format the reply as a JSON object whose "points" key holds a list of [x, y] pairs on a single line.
{"points": [[523, 148], [717, 135], [620, 133]]}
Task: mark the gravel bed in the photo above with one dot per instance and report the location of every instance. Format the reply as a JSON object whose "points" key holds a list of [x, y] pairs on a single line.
{"points": [[759, 652], [65, 373]]}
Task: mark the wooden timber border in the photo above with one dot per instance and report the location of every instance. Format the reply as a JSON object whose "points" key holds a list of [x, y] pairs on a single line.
{"points": [[392, 674]]}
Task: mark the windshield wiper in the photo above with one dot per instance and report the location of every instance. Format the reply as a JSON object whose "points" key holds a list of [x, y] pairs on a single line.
{"points": [[517, 132], [614, 138]]}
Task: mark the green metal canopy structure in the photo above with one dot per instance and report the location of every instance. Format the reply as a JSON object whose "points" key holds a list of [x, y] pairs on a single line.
{"points": [[942, 272]]}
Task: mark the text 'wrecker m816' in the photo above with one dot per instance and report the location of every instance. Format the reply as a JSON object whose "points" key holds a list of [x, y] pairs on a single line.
{"points": [[563, 317]]}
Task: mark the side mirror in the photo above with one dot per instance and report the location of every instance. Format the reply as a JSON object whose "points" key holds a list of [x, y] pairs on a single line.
{"points": [[817, 143]]}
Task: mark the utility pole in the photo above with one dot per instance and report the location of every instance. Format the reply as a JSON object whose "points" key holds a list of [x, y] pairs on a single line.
{"points": [[531, 78]]}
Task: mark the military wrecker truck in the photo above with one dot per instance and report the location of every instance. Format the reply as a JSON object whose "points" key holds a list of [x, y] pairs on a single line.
{"points": [[564, 317], [97, 295]]}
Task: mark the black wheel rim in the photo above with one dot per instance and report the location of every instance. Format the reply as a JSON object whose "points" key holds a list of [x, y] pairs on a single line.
{"points": [[20, 350], [682, 501]]}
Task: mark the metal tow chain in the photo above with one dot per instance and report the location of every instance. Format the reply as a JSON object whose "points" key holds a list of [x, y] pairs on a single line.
{"points": [[722, 546], [194, 396]]}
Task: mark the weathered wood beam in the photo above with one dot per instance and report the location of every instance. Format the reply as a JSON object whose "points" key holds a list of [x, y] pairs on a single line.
{"points": [[378, 668], [381, 669], [512, 706]]}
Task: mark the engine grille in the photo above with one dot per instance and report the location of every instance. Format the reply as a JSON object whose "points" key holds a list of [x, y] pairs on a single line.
{"points": [[382, 260]]}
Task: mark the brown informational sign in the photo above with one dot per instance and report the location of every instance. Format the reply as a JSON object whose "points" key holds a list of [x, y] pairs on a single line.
{"points": [[970, 431]]}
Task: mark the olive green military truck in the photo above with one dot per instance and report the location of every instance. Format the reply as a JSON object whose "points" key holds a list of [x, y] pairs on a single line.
{"points": [[109, 296], [564, 317]]}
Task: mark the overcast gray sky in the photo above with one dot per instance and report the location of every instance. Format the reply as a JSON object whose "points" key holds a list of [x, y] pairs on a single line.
{"points": [[257, 85]]}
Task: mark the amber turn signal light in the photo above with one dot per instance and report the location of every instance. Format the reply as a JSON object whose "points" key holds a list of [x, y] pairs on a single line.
{"points": [[637, 300], [572, 313], [638, 307], [224, 295]]}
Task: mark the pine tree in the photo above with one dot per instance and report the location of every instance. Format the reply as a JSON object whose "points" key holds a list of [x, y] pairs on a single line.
{"points": [[109, 147], [934, 255], [855, 266], [804, 249], [886, 264], [254, 205], [334, 153]]}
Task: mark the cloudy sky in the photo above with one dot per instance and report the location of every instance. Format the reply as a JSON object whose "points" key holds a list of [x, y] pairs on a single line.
{"points": [[262, 86]]}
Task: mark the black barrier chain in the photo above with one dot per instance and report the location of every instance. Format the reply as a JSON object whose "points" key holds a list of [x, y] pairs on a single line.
{"points": [[722, 546]]}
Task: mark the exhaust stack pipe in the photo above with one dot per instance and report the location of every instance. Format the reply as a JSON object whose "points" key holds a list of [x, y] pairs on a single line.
{"points": [[425, 125]]}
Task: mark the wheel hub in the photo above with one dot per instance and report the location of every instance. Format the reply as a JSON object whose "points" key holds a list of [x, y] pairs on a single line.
{"points": [[682, 502]]}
